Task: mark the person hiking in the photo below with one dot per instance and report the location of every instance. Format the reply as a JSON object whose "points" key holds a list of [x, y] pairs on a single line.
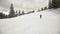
{"points": [[40, 16]]}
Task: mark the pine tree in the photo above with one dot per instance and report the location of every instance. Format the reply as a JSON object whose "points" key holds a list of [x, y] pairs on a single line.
{"points": [[16, 13], [19, 12], [12, 12], [54, 4], [41, 9], [22, 12], [38, 10], [58, 3], [45, 8], [50, 4]]}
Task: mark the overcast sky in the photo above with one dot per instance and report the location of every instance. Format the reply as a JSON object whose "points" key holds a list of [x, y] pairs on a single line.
{"points": [[25, 4]]}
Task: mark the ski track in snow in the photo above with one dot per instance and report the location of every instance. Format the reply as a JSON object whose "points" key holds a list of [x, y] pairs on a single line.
{"points": [[32, 24]]}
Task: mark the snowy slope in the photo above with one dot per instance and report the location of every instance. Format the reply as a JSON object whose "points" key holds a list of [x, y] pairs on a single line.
{"points": [[32, 24]]}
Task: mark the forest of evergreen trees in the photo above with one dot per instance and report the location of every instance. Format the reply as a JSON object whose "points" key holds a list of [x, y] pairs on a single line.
{"points": [[13, 13], [54, 4]]}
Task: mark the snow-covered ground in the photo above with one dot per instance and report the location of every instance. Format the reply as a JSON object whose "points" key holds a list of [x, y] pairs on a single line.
{"points": [[32, 24]]}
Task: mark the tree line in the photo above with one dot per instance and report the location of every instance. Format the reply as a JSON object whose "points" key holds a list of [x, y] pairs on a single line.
{"points": [[14, 13], [52, 4]]}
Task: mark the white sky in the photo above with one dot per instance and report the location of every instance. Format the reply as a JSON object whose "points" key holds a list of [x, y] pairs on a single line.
{"points": [[24, 4]]}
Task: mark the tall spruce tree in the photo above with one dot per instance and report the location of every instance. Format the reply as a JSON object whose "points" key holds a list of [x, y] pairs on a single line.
{"points": [[12, 12]]}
